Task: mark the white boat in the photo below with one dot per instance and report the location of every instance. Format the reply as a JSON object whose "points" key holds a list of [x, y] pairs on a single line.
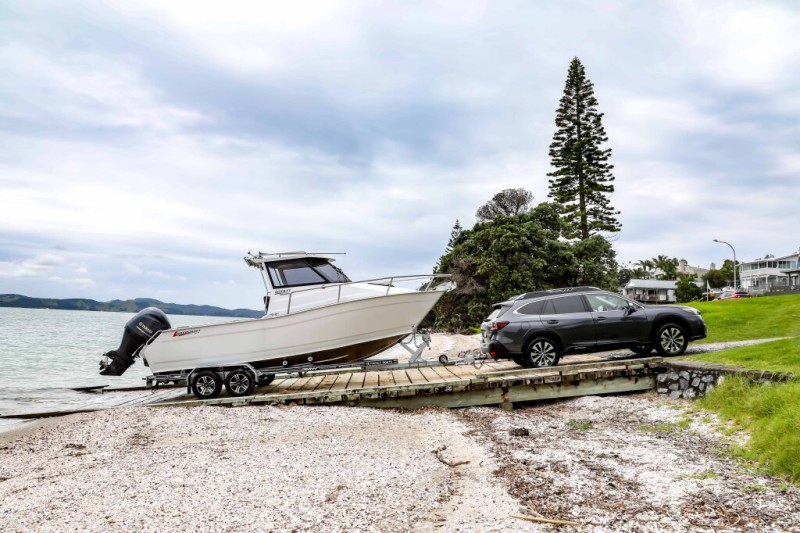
{"points": [[314, 314]]}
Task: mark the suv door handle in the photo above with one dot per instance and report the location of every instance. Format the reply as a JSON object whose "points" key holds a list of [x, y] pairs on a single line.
{"points": [[552, 321], [600, 318]]}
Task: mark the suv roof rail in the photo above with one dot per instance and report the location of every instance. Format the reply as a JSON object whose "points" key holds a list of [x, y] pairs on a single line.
{"points": [[563, 290]]}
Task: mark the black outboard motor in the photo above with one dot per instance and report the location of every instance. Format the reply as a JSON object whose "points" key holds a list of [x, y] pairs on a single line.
{"points": [[141, 327]]}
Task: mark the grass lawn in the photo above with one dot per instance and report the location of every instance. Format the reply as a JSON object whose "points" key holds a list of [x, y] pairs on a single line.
{"points": [[776, 356], [769, 413], [763, 317]]}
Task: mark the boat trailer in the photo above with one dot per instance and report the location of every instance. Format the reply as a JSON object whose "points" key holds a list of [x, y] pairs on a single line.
{"points": [[240, 379]]}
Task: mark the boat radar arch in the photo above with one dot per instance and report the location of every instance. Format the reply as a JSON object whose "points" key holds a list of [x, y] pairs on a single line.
{"points": [[261, 258]]}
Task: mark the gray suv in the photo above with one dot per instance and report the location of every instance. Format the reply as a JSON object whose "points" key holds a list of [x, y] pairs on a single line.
{"points": [[537, 328]]}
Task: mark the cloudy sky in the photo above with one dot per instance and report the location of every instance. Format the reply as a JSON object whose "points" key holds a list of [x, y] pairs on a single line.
{"points": [[146, 146]]}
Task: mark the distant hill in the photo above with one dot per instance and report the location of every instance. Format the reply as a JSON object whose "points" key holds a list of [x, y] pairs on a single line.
{"points": [[122, 306]]}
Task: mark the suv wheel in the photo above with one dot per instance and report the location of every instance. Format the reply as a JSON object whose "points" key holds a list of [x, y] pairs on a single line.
{"points": [[542, 352], [671, 340], [520, 360]]}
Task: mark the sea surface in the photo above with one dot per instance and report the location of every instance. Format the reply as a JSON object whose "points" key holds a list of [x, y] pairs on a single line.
{"points": [[46, 352]]}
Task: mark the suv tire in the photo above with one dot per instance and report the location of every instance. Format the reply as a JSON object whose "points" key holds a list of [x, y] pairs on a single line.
{"points": [[541, 352], [520, 360], [671, 340]]}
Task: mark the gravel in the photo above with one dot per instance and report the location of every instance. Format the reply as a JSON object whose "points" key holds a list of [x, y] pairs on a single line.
{"points": [[251, 469], [617, 463]]}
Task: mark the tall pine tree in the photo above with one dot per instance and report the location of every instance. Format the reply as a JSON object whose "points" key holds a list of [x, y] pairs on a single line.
{"points": [[582, 179]]}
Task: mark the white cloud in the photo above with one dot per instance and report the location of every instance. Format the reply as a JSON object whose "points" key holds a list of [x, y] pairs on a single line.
{"points": [[110, 153], [87, 89], [742, 44], [35, 267]]}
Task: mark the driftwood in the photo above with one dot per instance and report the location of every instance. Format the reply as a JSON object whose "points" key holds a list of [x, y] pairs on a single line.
{"points": [[438, 451], [545, 520]]}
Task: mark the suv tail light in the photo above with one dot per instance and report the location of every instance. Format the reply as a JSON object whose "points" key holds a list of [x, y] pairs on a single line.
{"points": [[497, 326]]}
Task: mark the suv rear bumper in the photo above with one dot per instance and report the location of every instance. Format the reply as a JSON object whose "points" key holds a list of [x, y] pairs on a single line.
{"points": [[495, 350]]}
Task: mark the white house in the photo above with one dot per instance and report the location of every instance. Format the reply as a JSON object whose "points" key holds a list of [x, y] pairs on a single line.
{"points": [[653, 291], [650, 291], [771, 273]]}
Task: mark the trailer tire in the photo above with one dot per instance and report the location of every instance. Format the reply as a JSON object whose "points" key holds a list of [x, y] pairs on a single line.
{"points": [[206, 385], [266, 380], [240, 382]]}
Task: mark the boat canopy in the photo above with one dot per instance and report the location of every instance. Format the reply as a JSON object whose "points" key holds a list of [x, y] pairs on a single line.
{"points": [[296, 269]]}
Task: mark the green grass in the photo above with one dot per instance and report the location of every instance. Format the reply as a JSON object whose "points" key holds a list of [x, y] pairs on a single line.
{"points": [[770, 413], [753, 318], [776, 356], [581, 425]]}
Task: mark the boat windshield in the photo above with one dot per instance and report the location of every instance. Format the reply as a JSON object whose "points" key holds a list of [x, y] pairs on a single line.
{"points": [[311, 271]]}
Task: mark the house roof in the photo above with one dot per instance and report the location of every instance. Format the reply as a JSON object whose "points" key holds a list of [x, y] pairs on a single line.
{"points": [[650, 284], [779, 258]]}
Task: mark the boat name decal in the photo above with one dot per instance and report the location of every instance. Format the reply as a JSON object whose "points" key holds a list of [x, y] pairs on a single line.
{"points": [[184, 332]]}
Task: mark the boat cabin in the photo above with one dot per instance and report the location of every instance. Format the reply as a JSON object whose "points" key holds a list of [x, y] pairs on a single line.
{"points": [[299, 280]]}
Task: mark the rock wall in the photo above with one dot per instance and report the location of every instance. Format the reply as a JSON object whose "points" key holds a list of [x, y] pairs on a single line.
{"points": [[688, 379], [687, 383]]}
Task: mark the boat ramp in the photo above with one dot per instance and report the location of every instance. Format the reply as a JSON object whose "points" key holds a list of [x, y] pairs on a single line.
{"points": [[415, 385]]}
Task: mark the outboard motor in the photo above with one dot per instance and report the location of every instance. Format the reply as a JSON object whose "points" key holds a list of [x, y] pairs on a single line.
{"points": [[141, 327]]}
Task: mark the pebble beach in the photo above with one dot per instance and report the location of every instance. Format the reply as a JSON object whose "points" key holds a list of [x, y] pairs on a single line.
{"points": [[593, 461]]}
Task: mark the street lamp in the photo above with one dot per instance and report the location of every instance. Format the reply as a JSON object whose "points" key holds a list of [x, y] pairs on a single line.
{"points": [[734, 260]]}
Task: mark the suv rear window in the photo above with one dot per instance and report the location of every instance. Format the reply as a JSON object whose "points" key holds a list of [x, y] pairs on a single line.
{"points": [[494, 314], [533, 308]]}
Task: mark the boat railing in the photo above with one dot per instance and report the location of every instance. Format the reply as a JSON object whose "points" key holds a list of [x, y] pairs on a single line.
{"points": [[389, 282]]}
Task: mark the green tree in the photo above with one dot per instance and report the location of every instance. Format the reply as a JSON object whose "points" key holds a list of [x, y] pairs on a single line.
{"points": [[667, 266], [457, 229], [721, 277], [506, 203], [582, 179], [512, 255], [686, 288]]}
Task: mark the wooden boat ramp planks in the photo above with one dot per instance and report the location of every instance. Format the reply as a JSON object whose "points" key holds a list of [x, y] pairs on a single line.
{"points": [[458, 385], [385, 378], [400, 377], [451, 385], [415, 375]]}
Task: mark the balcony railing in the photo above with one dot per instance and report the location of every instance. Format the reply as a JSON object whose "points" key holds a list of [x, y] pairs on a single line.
{"points": [[389, 282]]}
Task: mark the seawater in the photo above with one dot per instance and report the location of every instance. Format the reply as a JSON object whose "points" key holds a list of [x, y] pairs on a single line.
{"points": [[46, 352]]}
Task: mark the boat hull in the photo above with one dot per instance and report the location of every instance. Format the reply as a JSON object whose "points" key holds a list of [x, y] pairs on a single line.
{"points": [[341, 333]]}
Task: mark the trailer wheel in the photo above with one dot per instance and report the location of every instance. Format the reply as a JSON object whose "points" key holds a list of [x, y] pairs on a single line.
{"points": [[206, 385], [443, 359], [266, 380], [240, 382]]}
